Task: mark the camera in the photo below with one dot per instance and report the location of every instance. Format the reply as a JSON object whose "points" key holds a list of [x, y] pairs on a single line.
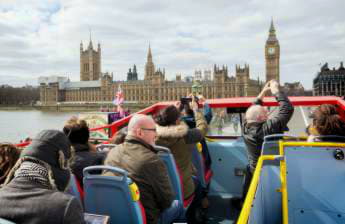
{"points": [[187, 100]]}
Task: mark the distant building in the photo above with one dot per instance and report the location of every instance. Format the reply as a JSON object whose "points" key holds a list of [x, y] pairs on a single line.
{"points": [[294, 89], [198, 75], [90, 62], [97, 87], [207, 75], [132, 75], [330, 82]]}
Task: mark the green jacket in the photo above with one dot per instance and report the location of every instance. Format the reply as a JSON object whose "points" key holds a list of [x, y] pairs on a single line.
{"points": [[146, 169], [181, 140]]}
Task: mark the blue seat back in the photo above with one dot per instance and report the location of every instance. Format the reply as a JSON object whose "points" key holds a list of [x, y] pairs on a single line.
{"points": [[168, 158], [73, 189], [227, 156], [315, 183], [110, 195]]}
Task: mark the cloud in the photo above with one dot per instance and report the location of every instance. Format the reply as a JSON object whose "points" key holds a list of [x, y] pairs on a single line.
{"points": [[43, 37]]}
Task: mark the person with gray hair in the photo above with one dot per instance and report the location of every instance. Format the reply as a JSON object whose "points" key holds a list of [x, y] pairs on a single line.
{"points": [[139, 158], [257, 125]]}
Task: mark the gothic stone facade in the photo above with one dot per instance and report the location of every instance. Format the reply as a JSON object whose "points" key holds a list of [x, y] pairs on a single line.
{"points": [[330, 82], [97, 87], [272, 55]]}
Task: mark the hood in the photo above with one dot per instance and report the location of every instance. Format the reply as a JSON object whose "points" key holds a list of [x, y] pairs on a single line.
{"points": [[169, 135]]}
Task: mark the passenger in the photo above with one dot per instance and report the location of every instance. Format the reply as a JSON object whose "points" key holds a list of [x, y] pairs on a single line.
{"points": [[328, 123], [257, 125], [78, 133], [175, 135], [188, 117], [138, 156], [119, 137], [33, 190], [207, 109], [9, 154]]}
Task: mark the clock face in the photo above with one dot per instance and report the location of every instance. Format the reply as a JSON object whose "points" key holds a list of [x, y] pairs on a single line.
{"points": [[271, 50]]}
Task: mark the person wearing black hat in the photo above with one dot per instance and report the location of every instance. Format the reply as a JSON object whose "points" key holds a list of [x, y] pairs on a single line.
{"points": [[33, 190]]}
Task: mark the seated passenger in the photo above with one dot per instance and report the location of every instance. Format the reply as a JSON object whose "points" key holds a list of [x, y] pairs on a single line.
{"points": [[78, 133], [119, 136], [139, 158], [175, 135], [326, 122], [33, 190], [9, 155]]}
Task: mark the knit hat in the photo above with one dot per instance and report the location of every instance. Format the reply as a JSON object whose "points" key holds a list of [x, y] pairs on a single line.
{"points": [[53, 148]]}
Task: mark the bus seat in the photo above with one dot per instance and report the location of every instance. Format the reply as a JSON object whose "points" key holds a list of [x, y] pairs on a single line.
{"points": [[174, 174], [116, 196], [204, 175], [75, 189], [314, 183]]}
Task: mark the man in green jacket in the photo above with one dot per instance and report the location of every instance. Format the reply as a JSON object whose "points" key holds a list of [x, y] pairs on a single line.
{"points": [[139, 158]]}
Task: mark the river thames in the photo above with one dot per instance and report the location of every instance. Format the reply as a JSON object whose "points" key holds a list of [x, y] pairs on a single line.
{"points": [[19, 124]]}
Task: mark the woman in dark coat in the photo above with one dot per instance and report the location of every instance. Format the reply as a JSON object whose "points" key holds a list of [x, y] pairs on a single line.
{"points": [[78, 133]]}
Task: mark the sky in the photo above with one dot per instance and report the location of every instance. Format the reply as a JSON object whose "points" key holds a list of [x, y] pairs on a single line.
{"points": [[42, 37]]}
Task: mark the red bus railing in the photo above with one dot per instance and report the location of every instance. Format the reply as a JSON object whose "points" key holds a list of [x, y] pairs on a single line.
{"points": [[237, 102], [243, 102]]}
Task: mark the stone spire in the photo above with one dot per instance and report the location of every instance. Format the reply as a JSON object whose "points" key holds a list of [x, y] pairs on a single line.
{"points": [[272, 29], [149, 54], [272, 33], [149, 66], [90, 43]]}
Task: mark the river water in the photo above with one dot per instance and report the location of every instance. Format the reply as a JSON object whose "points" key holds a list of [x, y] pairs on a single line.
{"points": [[17, 125]]}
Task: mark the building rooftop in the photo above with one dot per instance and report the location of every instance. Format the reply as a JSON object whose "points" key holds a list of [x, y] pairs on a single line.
{"points": [[80, 84]]}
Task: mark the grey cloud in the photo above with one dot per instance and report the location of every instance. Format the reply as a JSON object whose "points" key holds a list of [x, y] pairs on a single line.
{"points": [[184, 35]]}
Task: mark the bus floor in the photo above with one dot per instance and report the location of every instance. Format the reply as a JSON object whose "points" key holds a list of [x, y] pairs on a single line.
{"points": [[221, 210]]}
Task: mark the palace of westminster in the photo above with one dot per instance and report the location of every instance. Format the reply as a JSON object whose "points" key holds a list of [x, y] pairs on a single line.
{"points": [[97, 87]]}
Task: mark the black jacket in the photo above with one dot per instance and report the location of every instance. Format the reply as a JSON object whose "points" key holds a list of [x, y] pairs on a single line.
{"points": [[254, 132], [26, 202], [84, 158]]}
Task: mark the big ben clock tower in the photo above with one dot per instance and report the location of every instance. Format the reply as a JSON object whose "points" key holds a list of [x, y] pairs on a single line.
{"points": [[272, 55]]}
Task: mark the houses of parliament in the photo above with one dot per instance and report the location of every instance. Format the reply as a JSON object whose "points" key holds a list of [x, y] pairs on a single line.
{"points": [[97, 87]]}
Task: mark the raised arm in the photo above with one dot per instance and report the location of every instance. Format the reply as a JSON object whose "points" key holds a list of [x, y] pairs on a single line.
{"points": [[278, 123], [198, 133]]}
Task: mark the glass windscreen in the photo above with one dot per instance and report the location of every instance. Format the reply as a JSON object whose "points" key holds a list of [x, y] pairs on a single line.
{"points": [[228, 124]]}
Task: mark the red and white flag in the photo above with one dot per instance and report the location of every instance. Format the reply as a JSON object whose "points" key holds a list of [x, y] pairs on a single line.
{"points": [[119, 97]]}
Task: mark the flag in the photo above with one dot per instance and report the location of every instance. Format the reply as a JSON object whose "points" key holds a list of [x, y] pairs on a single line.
{"points": [[119, 97]]}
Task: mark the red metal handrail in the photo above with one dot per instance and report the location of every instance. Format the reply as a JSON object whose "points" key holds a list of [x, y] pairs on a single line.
{"points": [[228, 102], [239, 102]]}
